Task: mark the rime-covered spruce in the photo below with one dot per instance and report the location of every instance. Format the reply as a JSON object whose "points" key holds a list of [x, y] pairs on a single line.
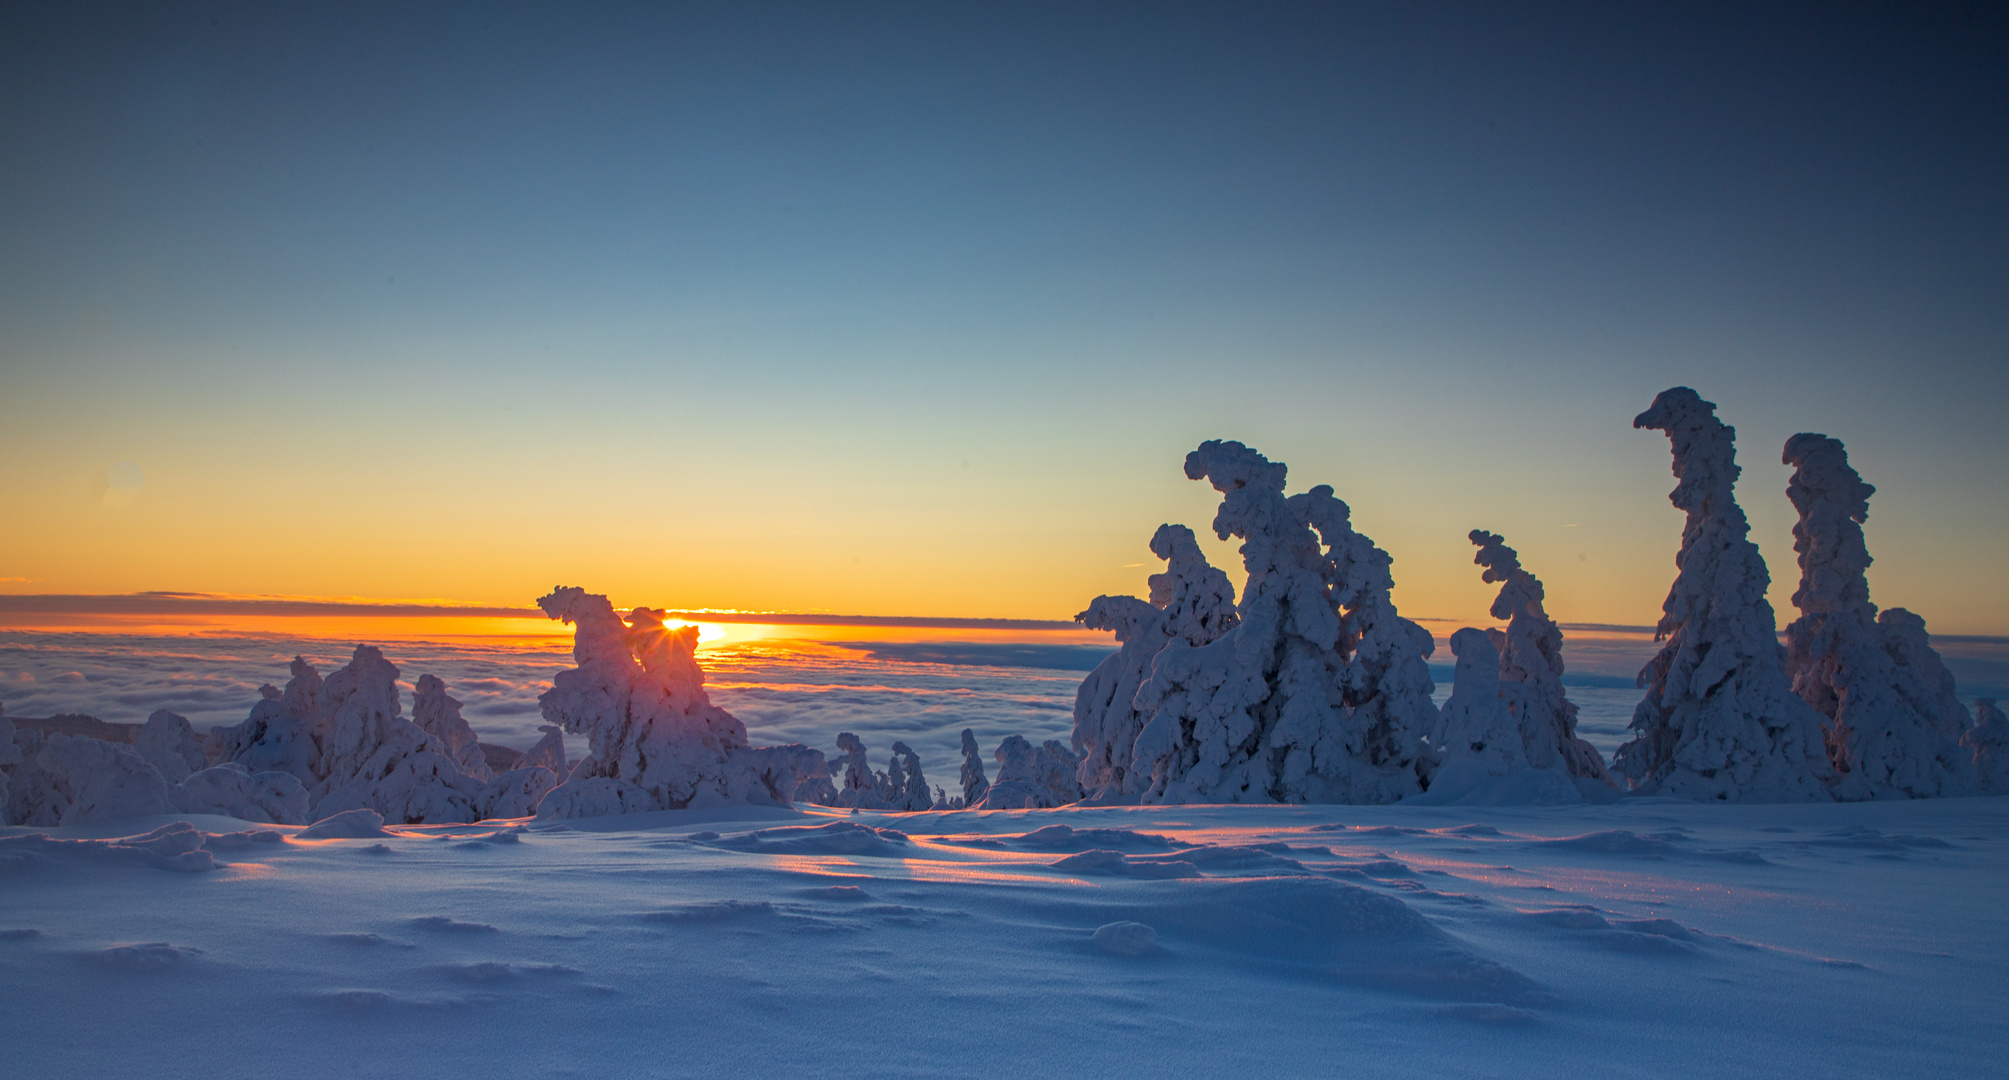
{"points": [[656, 740], [1191, 601], [1531, 666], [1319, 693], [1720, 720], [1882, 741]]}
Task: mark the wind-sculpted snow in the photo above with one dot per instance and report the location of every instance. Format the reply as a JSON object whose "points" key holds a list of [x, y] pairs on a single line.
{"points": [[1720, 720], [232, 790], [178, 846], [1320, 693], [1634, 938], [657, 742], [1531, 666], [1192, 602], [1880, 743], [1988, 739]]}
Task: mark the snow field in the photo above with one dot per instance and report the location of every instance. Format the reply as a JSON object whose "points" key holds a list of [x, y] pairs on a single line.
{"points": [[1648, 937]]}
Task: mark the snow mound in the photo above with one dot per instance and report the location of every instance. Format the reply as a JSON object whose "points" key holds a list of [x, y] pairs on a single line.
{"points": [[1125, 939], [1720, 720], [657, 742], [1068, 838], [177, 846], [1118, 864], [359, 824], [230, 789], [1315, 924], [835, 838]]}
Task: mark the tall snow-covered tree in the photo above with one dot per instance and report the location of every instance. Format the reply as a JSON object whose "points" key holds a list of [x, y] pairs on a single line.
{"points": [[657, 741], [1720, 719], [975, 785], [1531, 665], [1879, 741], [1319, 693]]}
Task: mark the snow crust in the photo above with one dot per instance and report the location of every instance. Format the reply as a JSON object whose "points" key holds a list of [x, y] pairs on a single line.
{"points": [[1892, 725], [1720, 720]]}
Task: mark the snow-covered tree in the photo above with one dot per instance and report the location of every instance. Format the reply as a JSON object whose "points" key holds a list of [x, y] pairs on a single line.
{"points": [[1720, 720], [1478, 731], [438, 715], [1988, 740], [657, 742], [104, 781], [860, 787], [1032, 777], [1531, 666], [549, 752], [1846, 666], [1192, 601], [974, 783], [167, 741], [10, 756], [1320, 693], [914, 793]]}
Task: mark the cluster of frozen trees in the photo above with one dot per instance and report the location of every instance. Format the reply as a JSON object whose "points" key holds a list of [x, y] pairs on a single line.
{"points": [[1855, 705], [1309, 688], [315, 749], [1313, 688]]}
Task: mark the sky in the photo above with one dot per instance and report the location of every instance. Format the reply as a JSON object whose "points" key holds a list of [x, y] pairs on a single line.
{"points": [[916, 309]]}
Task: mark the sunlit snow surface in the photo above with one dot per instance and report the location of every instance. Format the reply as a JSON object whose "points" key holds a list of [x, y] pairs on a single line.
{"points": [[1644, 939], [1648, 938]]}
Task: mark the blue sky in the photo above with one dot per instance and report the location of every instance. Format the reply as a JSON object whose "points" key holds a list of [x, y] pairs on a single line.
{"points": [[915, 309]]}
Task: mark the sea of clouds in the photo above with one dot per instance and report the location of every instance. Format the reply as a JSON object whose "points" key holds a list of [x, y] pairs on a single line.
{"points": [[922, 693]]}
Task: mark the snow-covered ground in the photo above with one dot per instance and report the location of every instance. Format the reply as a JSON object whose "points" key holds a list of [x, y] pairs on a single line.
{"points": [[1646, 938]]}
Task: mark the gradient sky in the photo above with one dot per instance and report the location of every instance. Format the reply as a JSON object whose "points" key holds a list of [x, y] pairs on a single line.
{"points": [[916, 309]]}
